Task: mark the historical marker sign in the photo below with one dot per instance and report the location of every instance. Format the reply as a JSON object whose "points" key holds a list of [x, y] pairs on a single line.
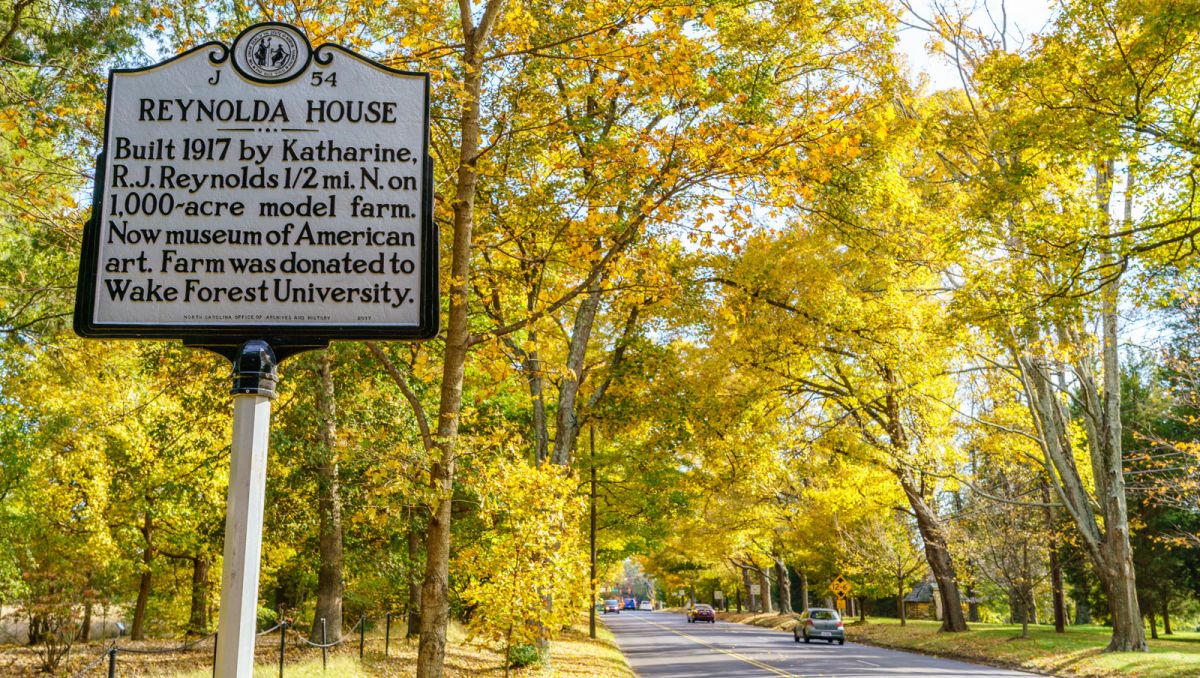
{"points": [[262, 190], [260, 199]]}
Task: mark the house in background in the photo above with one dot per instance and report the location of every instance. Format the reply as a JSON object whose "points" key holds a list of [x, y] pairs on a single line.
{"points": [[924, 601]]}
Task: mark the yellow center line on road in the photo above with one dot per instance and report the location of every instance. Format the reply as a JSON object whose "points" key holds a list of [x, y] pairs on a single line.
{"points": [[735, 655]]}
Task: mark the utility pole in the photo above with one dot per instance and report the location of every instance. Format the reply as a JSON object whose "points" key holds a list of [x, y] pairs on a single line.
{"points": [[592, 530]]}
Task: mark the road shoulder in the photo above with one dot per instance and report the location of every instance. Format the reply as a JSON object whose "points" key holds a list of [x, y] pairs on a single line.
{"points": [[1075, 654], [858, 632]]}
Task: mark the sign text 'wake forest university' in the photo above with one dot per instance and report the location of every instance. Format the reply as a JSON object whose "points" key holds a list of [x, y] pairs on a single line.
{"points": [[265, 189]]}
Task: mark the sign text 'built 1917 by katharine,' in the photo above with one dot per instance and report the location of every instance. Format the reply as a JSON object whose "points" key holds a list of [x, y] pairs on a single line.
{"points": [[266, 190]]}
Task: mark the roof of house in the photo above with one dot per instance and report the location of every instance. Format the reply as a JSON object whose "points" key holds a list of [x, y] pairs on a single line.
{"points": [[921, 593]]}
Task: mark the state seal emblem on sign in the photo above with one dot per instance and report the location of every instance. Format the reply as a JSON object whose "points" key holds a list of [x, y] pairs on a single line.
{"points": [[271, 53]]}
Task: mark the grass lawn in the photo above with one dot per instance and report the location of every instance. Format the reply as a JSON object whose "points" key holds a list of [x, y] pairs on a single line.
{"points": [[1078, 652], [573, 655]]}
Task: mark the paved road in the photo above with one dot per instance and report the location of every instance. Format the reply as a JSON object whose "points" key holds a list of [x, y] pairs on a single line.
{"points": [[664, 645]]}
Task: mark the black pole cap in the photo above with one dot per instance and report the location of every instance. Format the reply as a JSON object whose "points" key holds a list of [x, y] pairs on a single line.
{"points": [[254, 370]]}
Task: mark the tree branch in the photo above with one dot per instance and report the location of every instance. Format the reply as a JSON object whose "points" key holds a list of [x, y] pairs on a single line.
{"points": [[409, 395]]}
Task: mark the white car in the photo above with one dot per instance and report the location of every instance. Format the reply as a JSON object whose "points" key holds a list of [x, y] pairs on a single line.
{"points": [[646, 606]]}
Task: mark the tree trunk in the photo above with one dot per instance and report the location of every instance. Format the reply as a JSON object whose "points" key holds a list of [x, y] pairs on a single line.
{"points": [[972, 604], [567, 424], [414, 582], [198, 615], [1056, 588], [532, 364], [1109, 549], [1128, 633], [435, 601], [900, 608], [785, 586], [1166, 615], [566, 429], [938, 557], [1056, 576], [1153, 622], [1021, 610], [85, 628], [753, 605], [803, 591], [329, 512], [1120, 581], [592, 532], [1026, 590], [435, 604], [138, 630], [764, 583]]}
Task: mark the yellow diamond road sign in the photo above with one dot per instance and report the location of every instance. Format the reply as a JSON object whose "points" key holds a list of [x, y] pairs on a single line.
{"points": [[840, 587]]}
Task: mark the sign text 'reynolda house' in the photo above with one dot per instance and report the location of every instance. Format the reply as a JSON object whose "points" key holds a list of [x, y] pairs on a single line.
{"points": [[264, 189]]}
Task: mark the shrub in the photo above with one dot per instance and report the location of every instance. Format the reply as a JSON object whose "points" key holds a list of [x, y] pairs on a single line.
{"points": [[526, 577], [523, 655], [266, 618]]}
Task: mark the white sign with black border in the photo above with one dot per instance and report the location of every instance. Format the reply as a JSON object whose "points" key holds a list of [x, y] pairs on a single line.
{"points": [[262, 190]]}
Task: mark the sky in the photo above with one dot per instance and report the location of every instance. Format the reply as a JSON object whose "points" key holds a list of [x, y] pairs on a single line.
{"points": [[1024, 18]]}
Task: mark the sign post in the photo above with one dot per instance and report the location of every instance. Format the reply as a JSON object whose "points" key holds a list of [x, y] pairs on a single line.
{"points": [[260, 199], [254, 389]]}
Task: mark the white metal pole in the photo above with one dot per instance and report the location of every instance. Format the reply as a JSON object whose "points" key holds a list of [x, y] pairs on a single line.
{"points": [[254, 388], [243, 536]]}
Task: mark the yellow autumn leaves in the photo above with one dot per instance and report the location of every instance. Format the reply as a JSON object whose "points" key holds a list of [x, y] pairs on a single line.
{"points": [[527, 577]]}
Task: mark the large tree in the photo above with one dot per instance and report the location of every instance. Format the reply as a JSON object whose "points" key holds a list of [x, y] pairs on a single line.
{"points": [[1050, 142]]}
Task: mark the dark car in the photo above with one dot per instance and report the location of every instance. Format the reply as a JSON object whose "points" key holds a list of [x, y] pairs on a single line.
{"points": [[630, 604], [611, 605], [701, 613], [820, 623]]}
